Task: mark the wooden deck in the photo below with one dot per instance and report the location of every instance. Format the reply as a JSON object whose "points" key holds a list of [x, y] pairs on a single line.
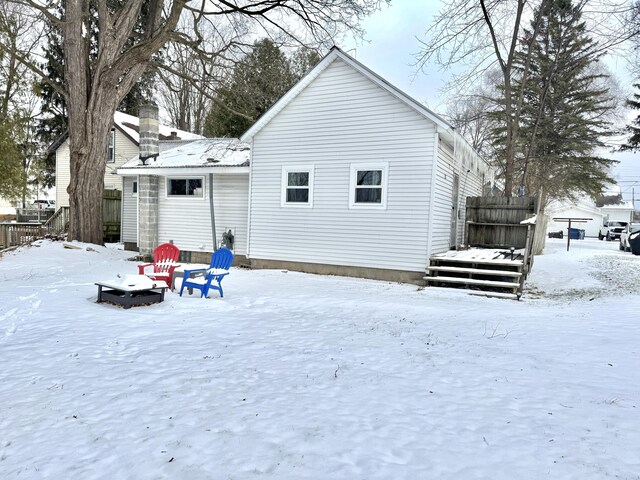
{"points": [[479, 270]]}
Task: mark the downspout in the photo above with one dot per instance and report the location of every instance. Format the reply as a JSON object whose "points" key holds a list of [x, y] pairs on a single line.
{"points": [[432, 198], [212, 212], [122, 208], [137, 179]]}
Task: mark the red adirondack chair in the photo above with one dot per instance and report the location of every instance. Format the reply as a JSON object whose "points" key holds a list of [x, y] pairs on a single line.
{"points": [[165, 261]]}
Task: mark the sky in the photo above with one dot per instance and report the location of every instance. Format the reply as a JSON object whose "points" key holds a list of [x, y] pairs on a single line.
{"points": [[389, 48]]}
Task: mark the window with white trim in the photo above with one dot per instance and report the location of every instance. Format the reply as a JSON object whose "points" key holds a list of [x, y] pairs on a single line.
{"points": [[134, 188], [368, 185], [185, 187], [297, 186], [111, 149]]}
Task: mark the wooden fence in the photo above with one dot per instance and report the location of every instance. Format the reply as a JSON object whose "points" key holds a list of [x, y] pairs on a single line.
{"points": [[111, 200], [494, 222], [12, 234], [19, 233]]}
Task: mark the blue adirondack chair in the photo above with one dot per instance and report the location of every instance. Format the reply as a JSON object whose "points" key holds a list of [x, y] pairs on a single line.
{"points": [[205, 279]]}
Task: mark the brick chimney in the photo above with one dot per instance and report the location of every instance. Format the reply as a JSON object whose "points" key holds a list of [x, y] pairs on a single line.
{"points": [[148, 185]]}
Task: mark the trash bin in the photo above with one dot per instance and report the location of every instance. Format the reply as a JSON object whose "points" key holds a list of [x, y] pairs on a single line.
{"points": [[576, 234], [634, 243]]}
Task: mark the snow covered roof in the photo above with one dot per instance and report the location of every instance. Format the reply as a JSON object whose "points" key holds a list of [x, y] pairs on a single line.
{"points": [[205, 153], [130, 125], [618, 206]]}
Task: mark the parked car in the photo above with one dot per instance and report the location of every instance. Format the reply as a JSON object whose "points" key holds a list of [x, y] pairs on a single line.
{"points": [[611, 230], [624, 236], [42, 204]]}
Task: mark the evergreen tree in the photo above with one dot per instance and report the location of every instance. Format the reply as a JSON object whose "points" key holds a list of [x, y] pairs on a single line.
{"points": [[565, 109], [256, 82], [12, 175], [634, 129]]}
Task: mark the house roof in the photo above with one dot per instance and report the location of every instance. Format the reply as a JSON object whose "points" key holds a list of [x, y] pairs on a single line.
{"points": [[209, 153], [334, 54], [619, 206], [130, 126]]}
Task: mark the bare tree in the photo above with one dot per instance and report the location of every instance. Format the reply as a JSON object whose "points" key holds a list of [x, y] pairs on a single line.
{"points": [[100, 69], [473, 116], [485, 34], [184, 89], [18, 101]]}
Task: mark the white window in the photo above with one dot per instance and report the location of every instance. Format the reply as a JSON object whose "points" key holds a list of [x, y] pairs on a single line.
{"points": [[111, 150], [185, 187], [368, 186], [297, 186], [134, 188]]}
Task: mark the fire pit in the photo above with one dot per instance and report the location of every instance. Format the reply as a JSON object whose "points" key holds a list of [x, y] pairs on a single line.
{"points": [[131, 290]]}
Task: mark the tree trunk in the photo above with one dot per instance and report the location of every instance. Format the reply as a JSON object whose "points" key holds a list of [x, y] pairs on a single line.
{"points": [[88, 155]]}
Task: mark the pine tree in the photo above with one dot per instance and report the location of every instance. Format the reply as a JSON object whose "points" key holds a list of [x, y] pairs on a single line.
{"points": [[256, 82], [12, 175], [633, 143], [566, 106]]}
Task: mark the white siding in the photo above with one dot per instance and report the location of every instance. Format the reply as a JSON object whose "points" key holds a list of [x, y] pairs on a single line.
{"points": [[62, 175], [339, 119], [470, 172], [591, 227], [125, 150], [129, 225], [187, 221]]}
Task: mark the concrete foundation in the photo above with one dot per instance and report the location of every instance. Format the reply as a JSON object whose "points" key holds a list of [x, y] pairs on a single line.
{"points": [[400, 276]]}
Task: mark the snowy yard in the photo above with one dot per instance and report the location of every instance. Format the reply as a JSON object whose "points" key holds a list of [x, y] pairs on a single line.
{"points": [[295, 376]]}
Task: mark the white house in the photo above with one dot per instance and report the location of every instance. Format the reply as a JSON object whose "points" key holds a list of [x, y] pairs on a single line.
{"points": [[349, 175], [620, 212], [202, 194], [586, 208], [124, 140], [583, 208]]}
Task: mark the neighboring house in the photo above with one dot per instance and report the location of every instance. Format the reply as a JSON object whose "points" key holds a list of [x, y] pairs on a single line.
{"points": [[620, 212], [348, 175], [583, 208], [192, 177], [124, 142], [586, 208]]}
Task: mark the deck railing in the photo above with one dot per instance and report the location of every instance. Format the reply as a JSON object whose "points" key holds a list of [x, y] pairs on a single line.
{"points": [[12, 234], [59, 222]]}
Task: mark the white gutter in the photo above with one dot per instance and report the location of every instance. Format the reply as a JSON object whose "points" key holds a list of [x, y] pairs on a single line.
{"points": [[171, 171]]}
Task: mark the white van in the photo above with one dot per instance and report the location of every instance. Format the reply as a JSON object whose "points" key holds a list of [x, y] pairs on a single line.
{"points": [[42, 204]]}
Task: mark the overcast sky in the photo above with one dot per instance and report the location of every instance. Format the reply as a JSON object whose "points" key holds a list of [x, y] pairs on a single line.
{"points": [[389, 49]]}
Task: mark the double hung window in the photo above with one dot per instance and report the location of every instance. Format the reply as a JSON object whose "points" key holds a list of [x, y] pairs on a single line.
{"points": [[368, 186], [297, 186], [111, 149]]}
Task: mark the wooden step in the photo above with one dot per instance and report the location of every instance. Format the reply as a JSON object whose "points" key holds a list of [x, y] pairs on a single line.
{"points": [[471, 261], [476, 271], [473, 281]]}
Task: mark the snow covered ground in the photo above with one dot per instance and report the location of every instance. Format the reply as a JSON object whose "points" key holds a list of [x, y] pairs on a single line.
{"points": [[295, 376]]}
